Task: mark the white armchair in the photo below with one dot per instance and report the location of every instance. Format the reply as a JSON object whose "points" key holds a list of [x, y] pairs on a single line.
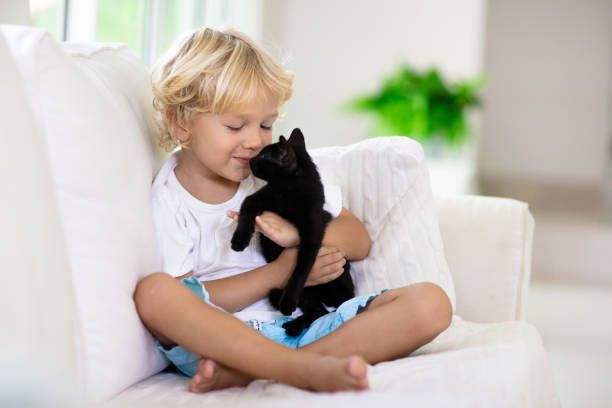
{"points": [[77, 235]]}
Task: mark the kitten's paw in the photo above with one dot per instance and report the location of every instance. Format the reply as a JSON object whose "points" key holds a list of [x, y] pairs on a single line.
{"points": [[295, 327], [287, 305], [240, 241], [274, 297]]}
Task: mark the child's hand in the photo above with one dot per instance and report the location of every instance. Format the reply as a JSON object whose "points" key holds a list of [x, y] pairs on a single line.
{"points": [[278, 229], [328, 266], [275, 227]]}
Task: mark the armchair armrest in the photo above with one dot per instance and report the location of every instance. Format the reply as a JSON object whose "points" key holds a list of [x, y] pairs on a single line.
{"points": [[487, 243]]}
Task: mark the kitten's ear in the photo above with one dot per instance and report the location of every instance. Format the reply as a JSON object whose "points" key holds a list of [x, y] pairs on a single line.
{"points": [[297, 138], [287, 157], [282, 139]]}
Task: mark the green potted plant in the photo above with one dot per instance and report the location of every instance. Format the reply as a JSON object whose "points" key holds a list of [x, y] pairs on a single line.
{"points": [[423, 106]]}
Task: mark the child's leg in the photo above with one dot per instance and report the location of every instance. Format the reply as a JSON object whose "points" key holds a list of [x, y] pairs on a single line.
{"points": [[176, 316], [394, 324]]}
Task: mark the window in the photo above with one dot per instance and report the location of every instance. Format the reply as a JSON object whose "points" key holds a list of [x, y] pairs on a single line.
{"points": [[147, 26], [49, 15]]}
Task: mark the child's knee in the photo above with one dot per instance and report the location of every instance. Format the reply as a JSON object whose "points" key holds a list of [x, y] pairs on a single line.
{"points": [[435, 308], [148, 291]]}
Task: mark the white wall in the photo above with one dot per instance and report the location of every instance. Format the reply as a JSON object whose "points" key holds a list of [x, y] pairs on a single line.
{"points": [[547, 105], [342, 48], [15, 12], [246, 16]]}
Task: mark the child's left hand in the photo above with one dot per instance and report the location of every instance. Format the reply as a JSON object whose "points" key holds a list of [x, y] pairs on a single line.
{"points": [[275, 227]]}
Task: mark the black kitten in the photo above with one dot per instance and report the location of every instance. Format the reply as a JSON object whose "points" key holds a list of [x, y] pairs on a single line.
{"points": [[294, 191]]}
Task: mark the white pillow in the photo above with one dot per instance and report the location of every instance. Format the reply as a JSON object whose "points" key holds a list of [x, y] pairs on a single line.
{"points": [[102, 165], [386, 184], [38, 317]]}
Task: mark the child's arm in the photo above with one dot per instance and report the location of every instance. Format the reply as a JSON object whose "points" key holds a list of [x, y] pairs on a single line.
{"points": [[348, 233], [239, 291], [345, 236], [345, 232]]}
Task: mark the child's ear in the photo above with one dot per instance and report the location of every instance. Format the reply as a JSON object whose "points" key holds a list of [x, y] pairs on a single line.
{"points": [[176, 129], [297, 138]]}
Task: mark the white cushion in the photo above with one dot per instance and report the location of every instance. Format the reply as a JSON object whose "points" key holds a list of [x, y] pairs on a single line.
{"points": [[102, 164], [386, 184], [127, 76]]}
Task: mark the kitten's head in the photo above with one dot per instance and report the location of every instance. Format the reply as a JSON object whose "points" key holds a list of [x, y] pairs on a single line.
{"points": [[279, 159]]}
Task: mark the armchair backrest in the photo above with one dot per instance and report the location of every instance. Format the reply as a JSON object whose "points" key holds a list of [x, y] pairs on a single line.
{"points": [[37, 300], [81, 165]]}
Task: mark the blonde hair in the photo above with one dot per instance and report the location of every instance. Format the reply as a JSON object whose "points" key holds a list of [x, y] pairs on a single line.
{"points": [[213, 71]]}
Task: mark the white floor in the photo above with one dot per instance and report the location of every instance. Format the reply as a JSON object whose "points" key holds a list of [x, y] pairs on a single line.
{"points": [[576, 326], [570, 301]]}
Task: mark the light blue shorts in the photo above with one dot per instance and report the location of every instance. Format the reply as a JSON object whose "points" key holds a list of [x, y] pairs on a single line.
{"points": [[187, 362]]}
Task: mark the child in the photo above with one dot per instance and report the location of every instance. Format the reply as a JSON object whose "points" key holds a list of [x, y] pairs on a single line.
{"points": [[218, 96]]}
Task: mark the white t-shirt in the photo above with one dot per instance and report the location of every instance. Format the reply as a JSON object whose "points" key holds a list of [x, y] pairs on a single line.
{"points": [[195, 236]]}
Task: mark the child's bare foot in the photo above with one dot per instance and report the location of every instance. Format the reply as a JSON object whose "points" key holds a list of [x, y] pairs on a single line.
{"points": [[325, 373], [339, 374], [213, 376]]}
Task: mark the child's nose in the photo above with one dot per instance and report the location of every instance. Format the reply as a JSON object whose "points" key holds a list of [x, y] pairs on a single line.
{"points": [[253, 139]]}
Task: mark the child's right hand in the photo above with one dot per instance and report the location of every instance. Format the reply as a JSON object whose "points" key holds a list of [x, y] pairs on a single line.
{"points": [[328, 266]]}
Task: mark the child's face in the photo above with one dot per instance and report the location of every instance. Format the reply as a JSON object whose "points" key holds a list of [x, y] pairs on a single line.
{"points": [[223, 144]]}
